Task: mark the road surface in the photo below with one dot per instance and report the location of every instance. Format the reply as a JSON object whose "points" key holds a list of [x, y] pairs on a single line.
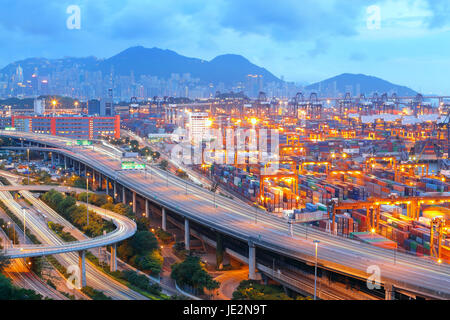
{"points": [[341, 255]]}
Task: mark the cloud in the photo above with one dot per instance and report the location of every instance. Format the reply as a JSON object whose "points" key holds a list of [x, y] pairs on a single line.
{"points": [[358, 56], [36, 17], [321, 46], [440, 10], [288, 20], [300, 39]]}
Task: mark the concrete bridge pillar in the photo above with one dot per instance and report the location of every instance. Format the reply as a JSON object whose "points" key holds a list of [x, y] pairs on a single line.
{"points": [[115, 191], [389, 292], [187, 238], [65, 163], [124, 200], [107, 186], [134, 202], [164, 219], [147, 209], [82, 266], [113, 263], [251, 261]]}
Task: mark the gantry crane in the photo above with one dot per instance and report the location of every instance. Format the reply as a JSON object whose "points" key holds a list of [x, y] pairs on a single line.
{"points": [[445, 123], [372, 212], [318, 164], [289, 178], [370, 162], [372, 205], [292, 163], [410, 170]]}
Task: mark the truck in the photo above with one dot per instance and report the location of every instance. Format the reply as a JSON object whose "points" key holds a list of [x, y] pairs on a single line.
{"points": [[130, 154]]}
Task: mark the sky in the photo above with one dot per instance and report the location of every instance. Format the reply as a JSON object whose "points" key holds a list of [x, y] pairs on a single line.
{"points": [[406, 42]]}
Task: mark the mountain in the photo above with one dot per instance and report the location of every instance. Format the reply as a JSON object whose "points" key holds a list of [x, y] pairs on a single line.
{"points": [[367, 85], [48, 66], [228, 68]]}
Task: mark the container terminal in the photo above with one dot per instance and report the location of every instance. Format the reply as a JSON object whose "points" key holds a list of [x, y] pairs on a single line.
{"points": [[372, 169]]}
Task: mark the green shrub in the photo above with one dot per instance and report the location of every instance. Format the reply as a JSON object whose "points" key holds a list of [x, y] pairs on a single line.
{"points": [[95, 294], [252, 290], [164, 236], [191, 272], [142, 282]]}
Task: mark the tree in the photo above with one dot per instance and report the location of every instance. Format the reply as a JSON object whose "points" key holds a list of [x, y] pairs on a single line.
{"points": [[192, 273], [123, 209], [251, 290], [156, 155], [144, 242], [151, 262], [134, 145], [10, 292], [4, 261], [145, 152], [79, 182], [108, 206], [164, 164], [143, 224], [125, 251]]}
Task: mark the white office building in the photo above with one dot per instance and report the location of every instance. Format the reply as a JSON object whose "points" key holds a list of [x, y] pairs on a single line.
{"points": [[198, 126], [39, 107]]}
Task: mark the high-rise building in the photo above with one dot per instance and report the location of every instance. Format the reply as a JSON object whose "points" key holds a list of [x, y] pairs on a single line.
{"points": [[39, 106], [19, 74], [198, 124], [107, 105], [93, 107]]}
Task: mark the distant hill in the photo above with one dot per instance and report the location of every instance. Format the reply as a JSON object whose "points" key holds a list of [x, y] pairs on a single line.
{"points": [[367, 85], [228, 68], [48, 66]]}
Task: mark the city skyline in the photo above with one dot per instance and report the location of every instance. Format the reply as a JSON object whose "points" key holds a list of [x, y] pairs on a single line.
{"points": [[304, 43]]}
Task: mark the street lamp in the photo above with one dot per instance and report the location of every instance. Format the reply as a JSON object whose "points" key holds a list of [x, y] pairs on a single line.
{"points": [[28, 159], [87, 198], [316, 242], [24, 225], [14, 232]]}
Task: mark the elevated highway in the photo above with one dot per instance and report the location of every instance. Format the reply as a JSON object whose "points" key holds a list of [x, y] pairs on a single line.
{"points": [[251, 226], [125, 228]]}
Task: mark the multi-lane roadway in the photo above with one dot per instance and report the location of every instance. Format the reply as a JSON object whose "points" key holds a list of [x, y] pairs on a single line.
{"points": [[405, 272], [66, 253]]}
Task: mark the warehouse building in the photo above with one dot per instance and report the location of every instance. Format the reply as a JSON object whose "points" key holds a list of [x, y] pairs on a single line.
{"points": [[76, 127]]}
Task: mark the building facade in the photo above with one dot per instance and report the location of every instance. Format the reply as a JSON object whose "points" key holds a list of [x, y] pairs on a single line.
{"points": [[198, 124], [76, 127]]}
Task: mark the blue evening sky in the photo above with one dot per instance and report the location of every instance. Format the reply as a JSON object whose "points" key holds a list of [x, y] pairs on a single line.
{"points": [[302, 40]]}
